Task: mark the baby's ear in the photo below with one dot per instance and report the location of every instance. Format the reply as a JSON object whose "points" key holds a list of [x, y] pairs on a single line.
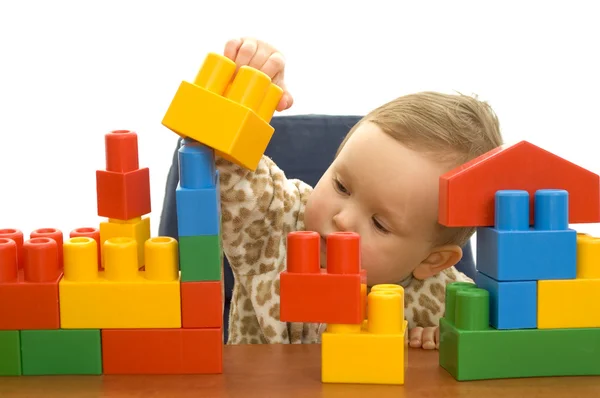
{"points": [[439, 259]]}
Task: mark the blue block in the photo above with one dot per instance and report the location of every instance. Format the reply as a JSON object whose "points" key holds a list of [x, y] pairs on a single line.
{"points": [[513, 305], [526, 255], [551, 211], [198, 210], [511, 211], [196, 165]]}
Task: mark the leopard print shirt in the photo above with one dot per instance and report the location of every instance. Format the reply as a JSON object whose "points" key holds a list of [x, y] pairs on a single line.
{"points": [[259, 209]]}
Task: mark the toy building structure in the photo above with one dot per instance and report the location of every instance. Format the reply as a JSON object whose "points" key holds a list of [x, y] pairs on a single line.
{"points": [[534, 309], [366, 337], [113, 299]]}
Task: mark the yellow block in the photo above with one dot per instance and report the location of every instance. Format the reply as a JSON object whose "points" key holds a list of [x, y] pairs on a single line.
{"points": [[121, 296], [229, 114], [573, 303], [137, 228], [374, 352], [588, 257]]}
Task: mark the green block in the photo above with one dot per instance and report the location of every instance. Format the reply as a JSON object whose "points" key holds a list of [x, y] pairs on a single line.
{"points": [[472, 350], [504, 354], [200, 258], [10, 353], [61, 352]]}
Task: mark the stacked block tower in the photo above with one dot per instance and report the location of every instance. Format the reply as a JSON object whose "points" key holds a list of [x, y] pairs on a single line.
{"points": [[107, 300], [533, 310], [366, 337], [113, 299]]}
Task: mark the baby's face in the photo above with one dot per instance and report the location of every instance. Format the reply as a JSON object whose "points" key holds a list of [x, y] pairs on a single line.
{"points": [[386, 193]]}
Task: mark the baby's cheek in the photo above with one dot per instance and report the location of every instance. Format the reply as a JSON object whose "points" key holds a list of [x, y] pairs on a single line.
{"points": [[369, 259]]}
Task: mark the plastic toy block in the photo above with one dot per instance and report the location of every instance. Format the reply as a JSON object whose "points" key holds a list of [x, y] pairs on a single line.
{"points": [[466, 195], [137, 228], [513, 305], [512, 251], [198, 210], [88, 232], [29, 297], [10, 353], [121, 296], [17, 236], [123, 195], [123, 189], [588, 257], [200, 258], [227, 113], [571, 303], [201, 305], [312, 294], [371, 353], [196, 165], [162, 351], [471, 350], [121, 149], [51, 233], [61, 352]]}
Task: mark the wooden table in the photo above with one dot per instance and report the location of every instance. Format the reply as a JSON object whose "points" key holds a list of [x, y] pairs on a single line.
{"points": [[291, 371]]}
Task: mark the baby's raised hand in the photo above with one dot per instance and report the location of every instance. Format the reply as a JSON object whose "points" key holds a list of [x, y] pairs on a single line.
{"points": [[264, 57], [427, 338]]}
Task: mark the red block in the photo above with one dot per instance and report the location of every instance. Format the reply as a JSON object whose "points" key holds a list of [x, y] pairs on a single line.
{"points": [[162, 351], [123, 189], [466, 194], [17, 236], [333, 295], [121, 148], [123, 195], [201, 304], [51, 233], [29, 297]]}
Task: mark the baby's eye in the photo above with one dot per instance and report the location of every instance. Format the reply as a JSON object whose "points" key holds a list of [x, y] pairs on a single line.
{"points": [[340, 187], [379, 226]]}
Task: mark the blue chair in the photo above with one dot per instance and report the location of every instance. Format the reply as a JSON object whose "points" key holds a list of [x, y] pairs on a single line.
{"points": [[303, 147]]}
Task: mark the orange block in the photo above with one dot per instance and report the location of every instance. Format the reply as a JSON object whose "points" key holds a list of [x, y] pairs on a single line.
{"points": [[201, 304], [29, 296], [466, 195], [333, 295], [162, 351]]}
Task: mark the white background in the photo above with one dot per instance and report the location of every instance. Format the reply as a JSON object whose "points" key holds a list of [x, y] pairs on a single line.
{"points": [[72, 71]]}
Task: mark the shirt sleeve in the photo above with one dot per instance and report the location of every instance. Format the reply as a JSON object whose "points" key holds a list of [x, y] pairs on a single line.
{"points": [[258, 209]]}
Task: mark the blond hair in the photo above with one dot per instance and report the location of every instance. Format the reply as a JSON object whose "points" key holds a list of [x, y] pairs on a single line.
{"points": [[453, 128]]}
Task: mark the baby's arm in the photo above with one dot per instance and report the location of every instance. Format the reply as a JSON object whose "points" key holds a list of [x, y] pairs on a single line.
{"points": [[258, 210]]}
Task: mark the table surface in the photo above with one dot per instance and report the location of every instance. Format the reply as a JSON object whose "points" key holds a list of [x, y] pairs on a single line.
{"points": [[291, 371]]}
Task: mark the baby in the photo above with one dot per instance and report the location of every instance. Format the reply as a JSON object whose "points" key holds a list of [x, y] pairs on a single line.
{"points": [[382, 184]]}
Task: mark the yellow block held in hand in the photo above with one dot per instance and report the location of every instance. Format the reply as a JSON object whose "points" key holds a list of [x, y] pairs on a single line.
{"points": [[374, 352], [121, 296], [226, 111]]}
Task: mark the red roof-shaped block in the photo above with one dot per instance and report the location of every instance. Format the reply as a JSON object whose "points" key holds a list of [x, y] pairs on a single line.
{"points": [[467, 192]]}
